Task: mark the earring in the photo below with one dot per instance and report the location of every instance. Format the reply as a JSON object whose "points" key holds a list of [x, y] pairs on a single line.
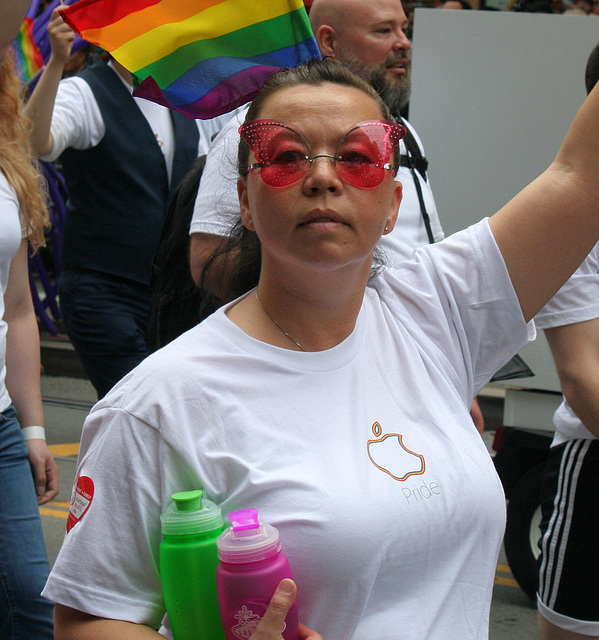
{"points": [[386, 227], [251, 222]]}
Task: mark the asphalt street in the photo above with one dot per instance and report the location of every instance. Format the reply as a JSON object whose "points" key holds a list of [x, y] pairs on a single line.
{"points": [[67, 401]]}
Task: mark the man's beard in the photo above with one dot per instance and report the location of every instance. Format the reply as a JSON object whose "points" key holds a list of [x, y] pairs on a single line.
{"points": [[396, 95]]}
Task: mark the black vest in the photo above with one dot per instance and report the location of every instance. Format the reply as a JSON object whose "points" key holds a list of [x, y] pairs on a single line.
{"points": [[118, 190]]}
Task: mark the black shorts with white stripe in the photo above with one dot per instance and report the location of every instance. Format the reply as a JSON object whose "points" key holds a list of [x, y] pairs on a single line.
{"points": [[569, 561]]}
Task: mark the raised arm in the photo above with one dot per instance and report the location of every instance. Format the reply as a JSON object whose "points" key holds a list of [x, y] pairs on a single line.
{"points": [[40, 106], [546, 231]]}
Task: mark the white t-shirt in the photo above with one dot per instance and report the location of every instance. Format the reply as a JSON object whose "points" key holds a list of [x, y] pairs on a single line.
{"points": [[217, 205], [576, 301], [12, 231], [77, 121], [364, 456]]}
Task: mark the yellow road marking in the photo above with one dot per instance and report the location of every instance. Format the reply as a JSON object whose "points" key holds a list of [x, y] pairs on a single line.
{"points": [[66, 449], [64, 504], [508, 582], [53, 513], [56, 509]]}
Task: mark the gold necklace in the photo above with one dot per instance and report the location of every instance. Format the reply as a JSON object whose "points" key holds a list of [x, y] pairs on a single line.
{"points": [[277, 325]]}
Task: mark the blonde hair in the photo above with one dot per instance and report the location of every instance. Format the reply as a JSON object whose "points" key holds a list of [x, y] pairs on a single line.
{"points": [[16, 159]]}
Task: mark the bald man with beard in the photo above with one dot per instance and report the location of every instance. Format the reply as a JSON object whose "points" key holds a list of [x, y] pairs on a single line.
{"points": [[368, 38]]}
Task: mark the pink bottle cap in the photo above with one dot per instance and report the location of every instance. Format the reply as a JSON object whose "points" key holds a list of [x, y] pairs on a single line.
{"points": [[244, 520], [247, 540]]}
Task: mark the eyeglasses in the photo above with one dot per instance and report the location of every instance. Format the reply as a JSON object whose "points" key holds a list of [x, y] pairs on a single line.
{"points": [[284, 155]]}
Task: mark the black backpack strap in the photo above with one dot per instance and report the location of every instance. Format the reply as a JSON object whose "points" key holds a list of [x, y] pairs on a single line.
{"points": [[414, 158], [416, 162]]}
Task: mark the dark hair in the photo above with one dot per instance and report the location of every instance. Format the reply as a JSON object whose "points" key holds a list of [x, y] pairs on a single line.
{"points": [[237, 259], [592, 69], [534, 6]]}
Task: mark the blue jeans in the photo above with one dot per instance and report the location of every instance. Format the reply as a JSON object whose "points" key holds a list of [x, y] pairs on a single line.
{"points": [[24, 614], [106, 318]]}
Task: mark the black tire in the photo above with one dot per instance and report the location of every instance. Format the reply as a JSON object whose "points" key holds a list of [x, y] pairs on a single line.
{"points": [[522, 532]]}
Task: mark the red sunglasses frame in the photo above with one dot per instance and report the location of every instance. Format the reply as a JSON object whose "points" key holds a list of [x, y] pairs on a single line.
{"points": [[394, 132]]}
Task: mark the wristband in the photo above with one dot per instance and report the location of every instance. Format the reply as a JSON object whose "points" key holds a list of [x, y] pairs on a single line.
{"points": [[35, 432]]}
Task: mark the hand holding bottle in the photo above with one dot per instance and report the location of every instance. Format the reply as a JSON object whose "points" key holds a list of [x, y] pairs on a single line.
{"points": [[252, 565], [272, 621]]}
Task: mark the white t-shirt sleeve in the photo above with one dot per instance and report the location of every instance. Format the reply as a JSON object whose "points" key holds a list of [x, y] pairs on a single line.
{"points": [[210, 128], [217, 205], [12, 231], [76, 119], [578, 298], [461, 296], [109, 561]]}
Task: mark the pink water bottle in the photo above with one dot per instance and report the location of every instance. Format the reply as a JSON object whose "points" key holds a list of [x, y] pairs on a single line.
{"points": [[251, 566]]}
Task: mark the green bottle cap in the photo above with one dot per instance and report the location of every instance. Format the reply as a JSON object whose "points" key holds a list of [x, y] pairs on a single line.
{"points": [[188, 500], [190, 513]]}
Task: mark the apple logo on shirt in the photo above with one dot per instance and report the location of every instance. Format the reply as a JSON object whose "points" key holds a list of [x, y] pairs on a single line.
{"points": [[389, 454]]}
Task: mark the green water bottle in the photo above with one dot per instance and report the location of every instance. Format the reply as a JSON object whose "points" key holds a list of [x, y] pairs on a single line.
{"points": [[188, 560]]}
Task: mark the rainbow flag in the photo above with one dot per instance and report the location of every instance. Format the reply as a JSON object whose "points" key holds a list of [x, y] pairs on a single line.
{"points": [[31, 48], [200, 57], [27, 55]]}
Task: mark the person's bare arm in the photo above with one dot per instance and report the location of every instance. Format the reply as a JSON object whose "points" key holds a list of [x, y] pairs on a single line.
{"points": [[23, 372], [477, 416], [575, 350], [40, 105], [546, 231], [70, 624]]}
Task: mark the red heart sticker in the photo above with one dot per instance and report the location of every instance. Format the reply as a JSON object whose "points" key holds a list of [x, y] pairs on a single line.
{"points": [[81, 498]]}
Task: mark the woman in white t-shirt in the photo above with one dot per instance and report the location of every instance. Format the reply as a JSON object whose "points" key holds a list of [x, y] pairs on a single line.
{"points": [[334, 400], [28, 473]]}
